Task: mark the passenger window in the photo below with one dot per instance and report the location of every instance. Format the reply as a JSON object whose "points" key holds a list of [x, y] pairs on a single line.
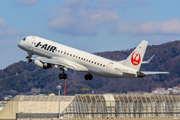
{"points": [[76, 56], [58, 50], [79, 57], [98, 64], [94, 62], [61, 51], [89, 60], [73, 55], [103, 65], [64, 52], [84, 59], [70, 54], [67, 53]]}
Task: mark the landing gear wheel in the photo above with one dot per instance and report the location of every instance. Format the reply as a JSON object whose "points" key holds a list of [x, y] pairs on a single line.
{"points": [[29, 60], [65, 76], [88, 77], [62, 76]]}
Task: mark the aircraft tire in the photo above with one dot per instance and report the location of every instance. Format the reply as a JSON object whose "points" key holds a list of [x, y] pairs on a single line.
{"points": [[86, 77], [29, 60], [90, 77], [60, 76], [65, 76]]}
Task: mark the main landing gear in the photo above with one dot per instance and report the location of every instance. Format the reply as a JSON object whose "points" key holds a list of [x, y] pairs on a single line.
{"points": [[88, 76], [62, 75]]}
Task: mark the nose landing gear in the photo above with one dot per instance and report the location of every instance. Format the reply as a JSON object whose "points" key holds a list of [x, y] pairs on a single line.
{"points": [[29, 57], [88, 76]]}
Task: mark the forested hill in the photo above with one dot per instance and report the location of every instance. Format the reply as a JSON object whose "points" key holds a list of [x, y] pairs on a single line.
{"points": [[21, 77]]}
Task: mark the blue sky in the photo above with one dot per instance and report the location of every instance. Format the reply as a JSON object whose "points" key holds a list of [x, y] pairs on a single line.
{"points": [[89, 25]]}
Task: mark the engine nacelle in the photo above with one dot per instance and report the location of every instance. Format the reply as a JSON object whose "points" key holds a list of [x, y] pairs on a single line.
{"points": [[42, 65]]}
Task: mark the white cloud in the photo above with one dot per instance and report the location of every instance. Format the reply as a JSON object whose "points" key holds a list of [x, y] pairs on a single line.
{"points": [[79, 17], [2, 22], [6, 31], [27, 2], [167, 27]]}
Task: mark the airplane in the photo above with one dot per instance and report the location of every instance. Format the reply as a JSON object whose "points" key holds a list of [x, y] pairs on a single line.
{"points": [[53, 54]]}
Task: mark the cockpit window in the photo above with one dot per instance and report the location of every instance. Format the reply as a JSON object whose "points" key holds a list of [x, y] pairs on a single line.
{"points": [[24, 39]]}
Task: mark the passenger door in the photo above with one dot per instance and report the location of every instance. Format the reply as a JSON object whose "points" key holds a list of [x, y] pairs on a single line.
{"points": [[31, 43], [109, 68]]}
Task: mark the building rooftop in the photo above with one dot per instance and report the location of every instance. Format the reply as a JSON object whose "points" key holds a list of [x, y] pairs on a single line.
{"points": [[42, 98]]}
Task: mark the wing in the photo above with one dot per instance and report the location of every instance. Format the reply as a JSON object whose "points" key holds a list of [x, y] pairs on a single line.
{"points": [[62, 62]]}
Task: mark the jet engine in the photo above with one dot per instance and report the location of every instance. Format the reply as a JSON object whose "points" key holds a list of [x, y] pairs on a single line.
{"points": [[42, 65]]}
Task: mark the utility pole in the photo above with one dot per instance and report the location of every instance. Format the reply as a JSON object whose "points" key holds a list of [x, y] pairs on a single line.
{"points": [[59, 88]]}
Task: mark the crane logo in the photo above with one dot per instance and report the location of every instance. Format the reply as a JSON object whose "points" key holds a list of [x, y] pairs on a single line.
{"points": [[135, 58]]}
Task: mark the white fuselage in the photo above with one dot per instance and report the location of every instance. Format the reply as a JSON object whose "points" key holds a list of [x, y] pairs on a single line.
{"points": [[90, 62]]}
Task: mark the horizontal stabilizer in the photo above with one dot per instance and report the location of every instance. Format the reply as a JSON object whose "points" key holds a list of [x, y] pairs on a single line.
{"points": [[147, 61], [151, 72]]}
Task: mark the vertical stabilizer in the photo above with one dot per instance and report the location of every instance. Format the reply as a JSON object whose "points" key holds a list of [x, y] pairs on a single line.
{"points": [[134, 60]]}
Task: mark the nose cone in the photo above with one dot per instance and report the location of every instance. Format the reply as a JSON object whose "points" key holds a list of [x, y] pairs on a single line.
{"points": [[23, 45], [20, 45]]}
